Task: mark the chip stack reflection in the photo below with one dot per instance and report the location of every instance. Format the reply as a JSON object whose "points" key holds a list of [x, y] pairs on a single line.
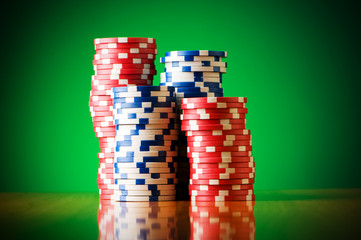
{"points": [[106, 220], [222, 220], [140, 220]]}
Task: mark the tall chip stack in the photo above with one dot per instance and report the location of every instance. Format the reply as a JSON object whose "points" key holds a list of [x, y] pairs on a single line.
{"points": [[145, 143], [118, 62], [192, 74], [219, 149]]}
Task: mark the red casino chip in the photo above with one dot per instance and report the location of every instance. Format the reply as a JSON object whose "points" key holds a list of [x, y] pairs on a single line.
{"points": [[212, 116], [218, 132], [123, 61], [105, 134], [223, 198], [105, 186], [100, 103], [123, 66], [127, 50], [121, 82], [106, 165], [103, 93], [213, 121], [219, 143], [101, 114], [211, 105], [220, 192], [105, 155], [103, 124], [123, 77], [221, 181], [105, 175], [222, 176], [215, 100], [103, 119], [124, 40], [105, 87], [99, 98], [219, 138], [106, 191], [106, 160], [221, 170], [212, 127], [107, 145], [124, 55], [217, 149], [105, 170], [213, 160], [239, 110], [107, 140], [125, 45], [249, 164], [125, 71], [101, 109], [221, 187]]}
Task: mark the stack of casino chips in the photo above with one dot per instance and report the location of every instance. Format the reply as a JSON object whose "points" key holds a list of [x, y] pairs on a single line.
{"points": [[222, 220], [219, 149], [145, 143], [118, 62], [192, 74]]}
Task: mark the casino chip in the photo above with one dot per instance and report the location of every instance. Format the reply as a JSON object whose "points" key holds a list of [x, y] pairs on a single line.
{"points": [[193, 74], [145, 144], [118, 62], [219, 149]]}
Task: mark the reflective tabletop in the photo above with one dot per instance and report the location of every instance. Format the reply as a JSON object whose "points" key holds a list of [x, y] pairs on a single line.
{"points": [[293, 214]]}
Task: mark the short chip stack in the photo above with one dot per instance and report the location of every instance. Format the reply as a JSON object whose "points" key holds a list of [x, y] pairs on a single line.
{"points": [[146, 143], [117, 62], [222, 220], [219, 149], [192, 74]]}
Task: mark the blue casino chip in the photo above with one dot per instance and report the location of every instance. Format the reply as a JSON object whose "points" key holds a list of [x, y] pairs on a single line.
{"points": [[196, 53]]}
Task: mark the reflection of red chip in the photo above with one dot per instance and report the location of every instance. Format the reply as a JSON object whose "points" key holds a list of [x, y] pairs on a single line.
{"points": [[223, 198], [220, 192]]}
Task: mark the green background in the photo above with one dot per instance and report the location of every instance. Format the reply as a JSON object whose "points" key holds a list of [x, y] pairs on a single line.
{"points": [[298, 62]]}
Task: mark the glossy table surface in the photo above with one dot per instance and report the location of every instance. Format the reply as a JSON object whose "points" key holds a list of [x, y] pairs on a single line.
{"points": [[292, 214]]}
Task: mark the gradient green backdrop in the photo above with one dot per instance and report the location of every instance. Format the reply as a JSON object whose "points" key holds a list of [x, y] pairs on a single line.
{"points": [[298, 62]]}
